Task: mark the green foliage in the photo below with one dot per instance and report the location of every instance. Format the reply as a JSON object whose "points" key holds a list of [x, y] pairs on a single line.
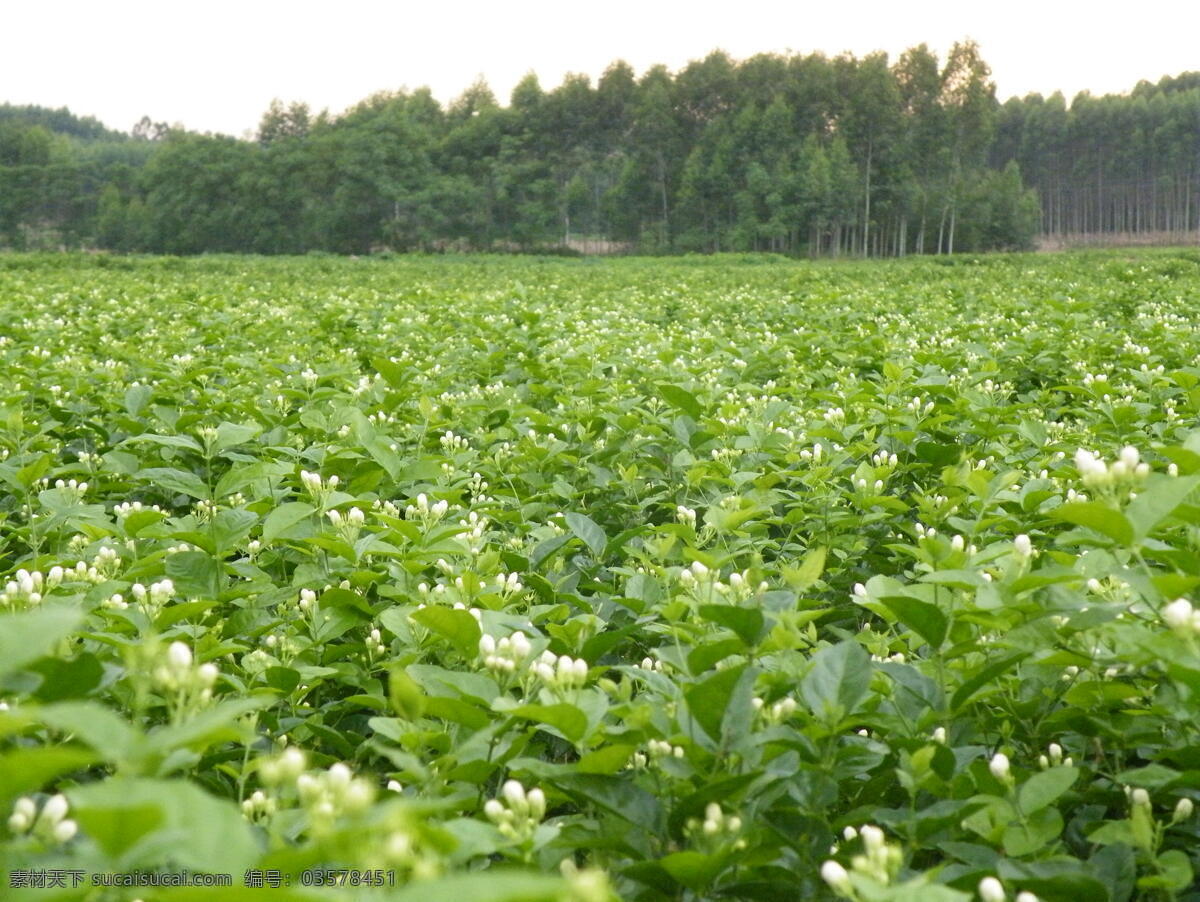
{"points": [[730, 578]]}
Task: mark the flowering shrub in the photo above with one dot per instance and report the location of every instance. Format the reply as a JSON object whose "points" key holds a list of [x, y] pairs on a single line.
{"points": [[576, 580]]}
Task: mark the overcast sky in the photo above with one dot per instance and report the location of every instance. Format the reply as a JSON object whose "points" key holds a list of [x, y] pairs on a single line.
{"points": [[216, 65]]}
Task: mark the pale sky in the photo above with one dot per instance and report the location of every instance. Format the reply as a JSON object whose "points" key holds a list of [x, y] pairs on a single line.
{"points": [[216, 65]]}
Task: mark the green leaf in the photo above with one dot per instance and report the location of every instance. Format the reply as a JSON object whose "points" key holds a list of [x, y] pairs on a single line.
{"points": [[808, 572], [220, 723], [229, 527], [457, 710], [28, 635], [136, 397], [175, 481], [1152, 776], [587, 530], [1039, 830], [193, 829], [334, 622], [382, 453], [681, 399], [105, 731], [837, 680], [26, 770], [609, 759], [441, 681], [547, 549], [964, 692], [67, 677], [239, 477], [231, 434], [1112, 832], [285, 679], [923, 618], [456, 625], [194, 573], [747, 623], [1045, 787], [1156, 503], [1115, 865], [708, 700], [1176, 869], [694, 870], [166, 441], [1096, 516], [406, 696], [702, 658], [283, 518], [617, 794], [567, 719]]}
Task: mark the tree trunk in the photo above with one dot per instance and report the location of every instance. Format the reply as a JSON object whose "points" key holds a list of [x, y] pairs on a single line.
{"points": [[867, 203]]}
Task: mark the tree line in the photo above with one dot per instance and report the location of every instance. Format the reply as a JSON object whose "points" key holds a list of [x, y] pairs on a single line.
{"points": [[794, 154], [1114, 164]]}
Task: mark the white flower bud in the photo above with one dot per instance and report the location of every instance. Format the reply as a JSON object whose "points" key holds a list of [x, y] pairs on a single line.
{"points": [[514, 793], [1022, 545], [999, 766], [835, 875], [55, 809], [179, 656], [991, 890], [1183, 810], [537, 803], [872, 837], [520, 645], [291, 763], [65, 830], [358, 795], [339, 775], [1178, 615], [1140, 798]]}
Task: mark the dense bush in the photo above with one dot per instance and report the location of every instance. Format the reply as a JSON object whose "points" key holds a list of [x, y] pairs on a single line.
{"points": [[675, 580]]}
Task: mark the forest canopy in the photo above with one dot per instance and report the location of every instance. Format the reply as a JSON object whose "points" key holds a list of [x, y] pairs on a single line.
{"points": [[795, 154]]}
